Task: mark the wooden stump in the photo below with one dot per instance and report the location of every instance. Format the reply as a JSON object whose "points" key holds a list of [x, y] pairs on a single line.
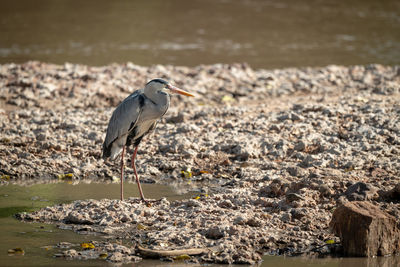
{"points": [[365, 230]]}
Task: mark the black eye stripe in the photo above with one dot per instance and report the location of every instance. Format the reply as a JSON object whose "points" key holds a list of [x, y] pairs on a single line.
{"points": [[158, 81]]}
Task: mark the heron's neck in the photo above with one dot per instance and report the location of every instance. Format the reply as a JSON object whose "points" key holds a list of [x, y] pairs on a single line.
{"points": [[160, 99]]}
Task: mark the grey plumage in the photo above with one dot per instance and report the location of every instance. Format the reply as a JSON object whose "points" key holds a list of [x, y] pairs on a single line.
{"points": [[122, 121], [135, 117]]}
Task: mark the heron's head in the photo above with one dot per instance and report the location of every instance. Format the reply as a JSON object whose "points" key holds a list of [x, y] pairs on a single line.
{"points": [[160, 86]]}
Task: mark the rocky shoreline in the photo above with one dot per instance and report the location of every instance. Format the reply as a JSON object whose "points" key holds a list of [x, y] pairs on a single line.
{"points": [[276, 151]]}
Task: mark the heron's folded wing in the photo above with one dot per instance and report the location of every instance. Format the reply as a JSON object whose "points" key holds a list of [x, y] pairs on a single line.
{"points": [[124, 118]]}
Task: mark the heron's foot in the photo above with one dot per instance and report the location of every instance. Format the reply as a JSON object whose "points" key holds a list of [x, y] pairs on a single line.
{"points": [[147, 203]]}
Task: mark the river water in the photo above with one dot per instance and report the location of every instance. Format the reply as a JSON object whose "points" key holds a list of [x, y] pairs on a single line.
{"points": [[264, 33]]}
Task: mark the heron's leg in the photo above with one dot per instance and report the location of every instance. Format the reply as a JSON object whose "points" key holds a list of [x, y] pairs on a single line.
{"points": [[122, 173], [134, 169]]}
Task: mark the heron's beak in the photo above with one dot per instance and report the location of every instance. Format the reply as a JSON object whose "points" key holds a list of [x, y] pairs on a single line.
{"points": [[178, 91]]}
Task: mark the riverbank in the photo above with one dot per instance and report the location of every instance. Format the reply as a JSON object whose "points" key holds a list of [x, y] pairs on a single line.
{"points": [[273, 151]]}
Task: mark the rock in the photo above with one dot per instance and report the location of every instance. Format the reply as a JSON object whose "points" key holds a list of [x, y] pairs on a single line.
{"points": [[365, 230], [253, 222], [41, 137], [394, 193], [276, 188], [227, 204], [325, 190], [290, 197], [177, 119], [242, 152], [299, 146], [296, 171], [361, 191], [76, 217], [307, 161], [298, 213], [70, 253], [215, 232], [64, 245], [240, 219], [92, 136], [286, 217], [283, 117], [116, 257]]}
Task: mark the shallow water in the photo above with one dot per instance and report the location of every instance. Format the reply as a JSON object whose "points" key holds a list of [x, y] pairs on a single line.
{"points": [[264, 33], [33, 237]]}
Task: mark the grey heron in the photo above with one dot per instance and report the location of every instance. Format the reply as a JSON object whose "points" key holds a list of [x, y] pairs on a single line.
{"points": [[136, 116]]}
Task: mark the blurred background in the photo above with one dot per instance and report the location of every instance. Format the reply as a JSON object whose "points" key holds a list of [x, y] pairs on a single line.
{"points": [[264, 33]]}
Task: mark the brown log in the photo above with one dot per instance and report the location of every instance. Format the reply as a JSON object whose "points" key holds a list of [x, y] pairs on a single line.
{"points": [[155, 253]]}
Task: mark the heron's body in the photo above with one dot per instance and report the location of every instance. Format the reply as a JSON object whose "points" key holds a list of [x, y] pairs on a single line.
{"points": [[135, 117], [130, 121]]}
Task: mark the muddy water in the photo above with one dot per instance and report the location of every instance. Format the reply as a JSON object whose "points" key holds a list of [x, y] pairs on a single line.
{"points": [[264, 33], [33, 237]]}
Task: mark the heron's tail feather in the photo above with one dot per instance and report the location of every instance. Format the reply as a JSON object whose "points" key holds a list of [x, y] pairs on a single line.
{"points": [[106, 151]]}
